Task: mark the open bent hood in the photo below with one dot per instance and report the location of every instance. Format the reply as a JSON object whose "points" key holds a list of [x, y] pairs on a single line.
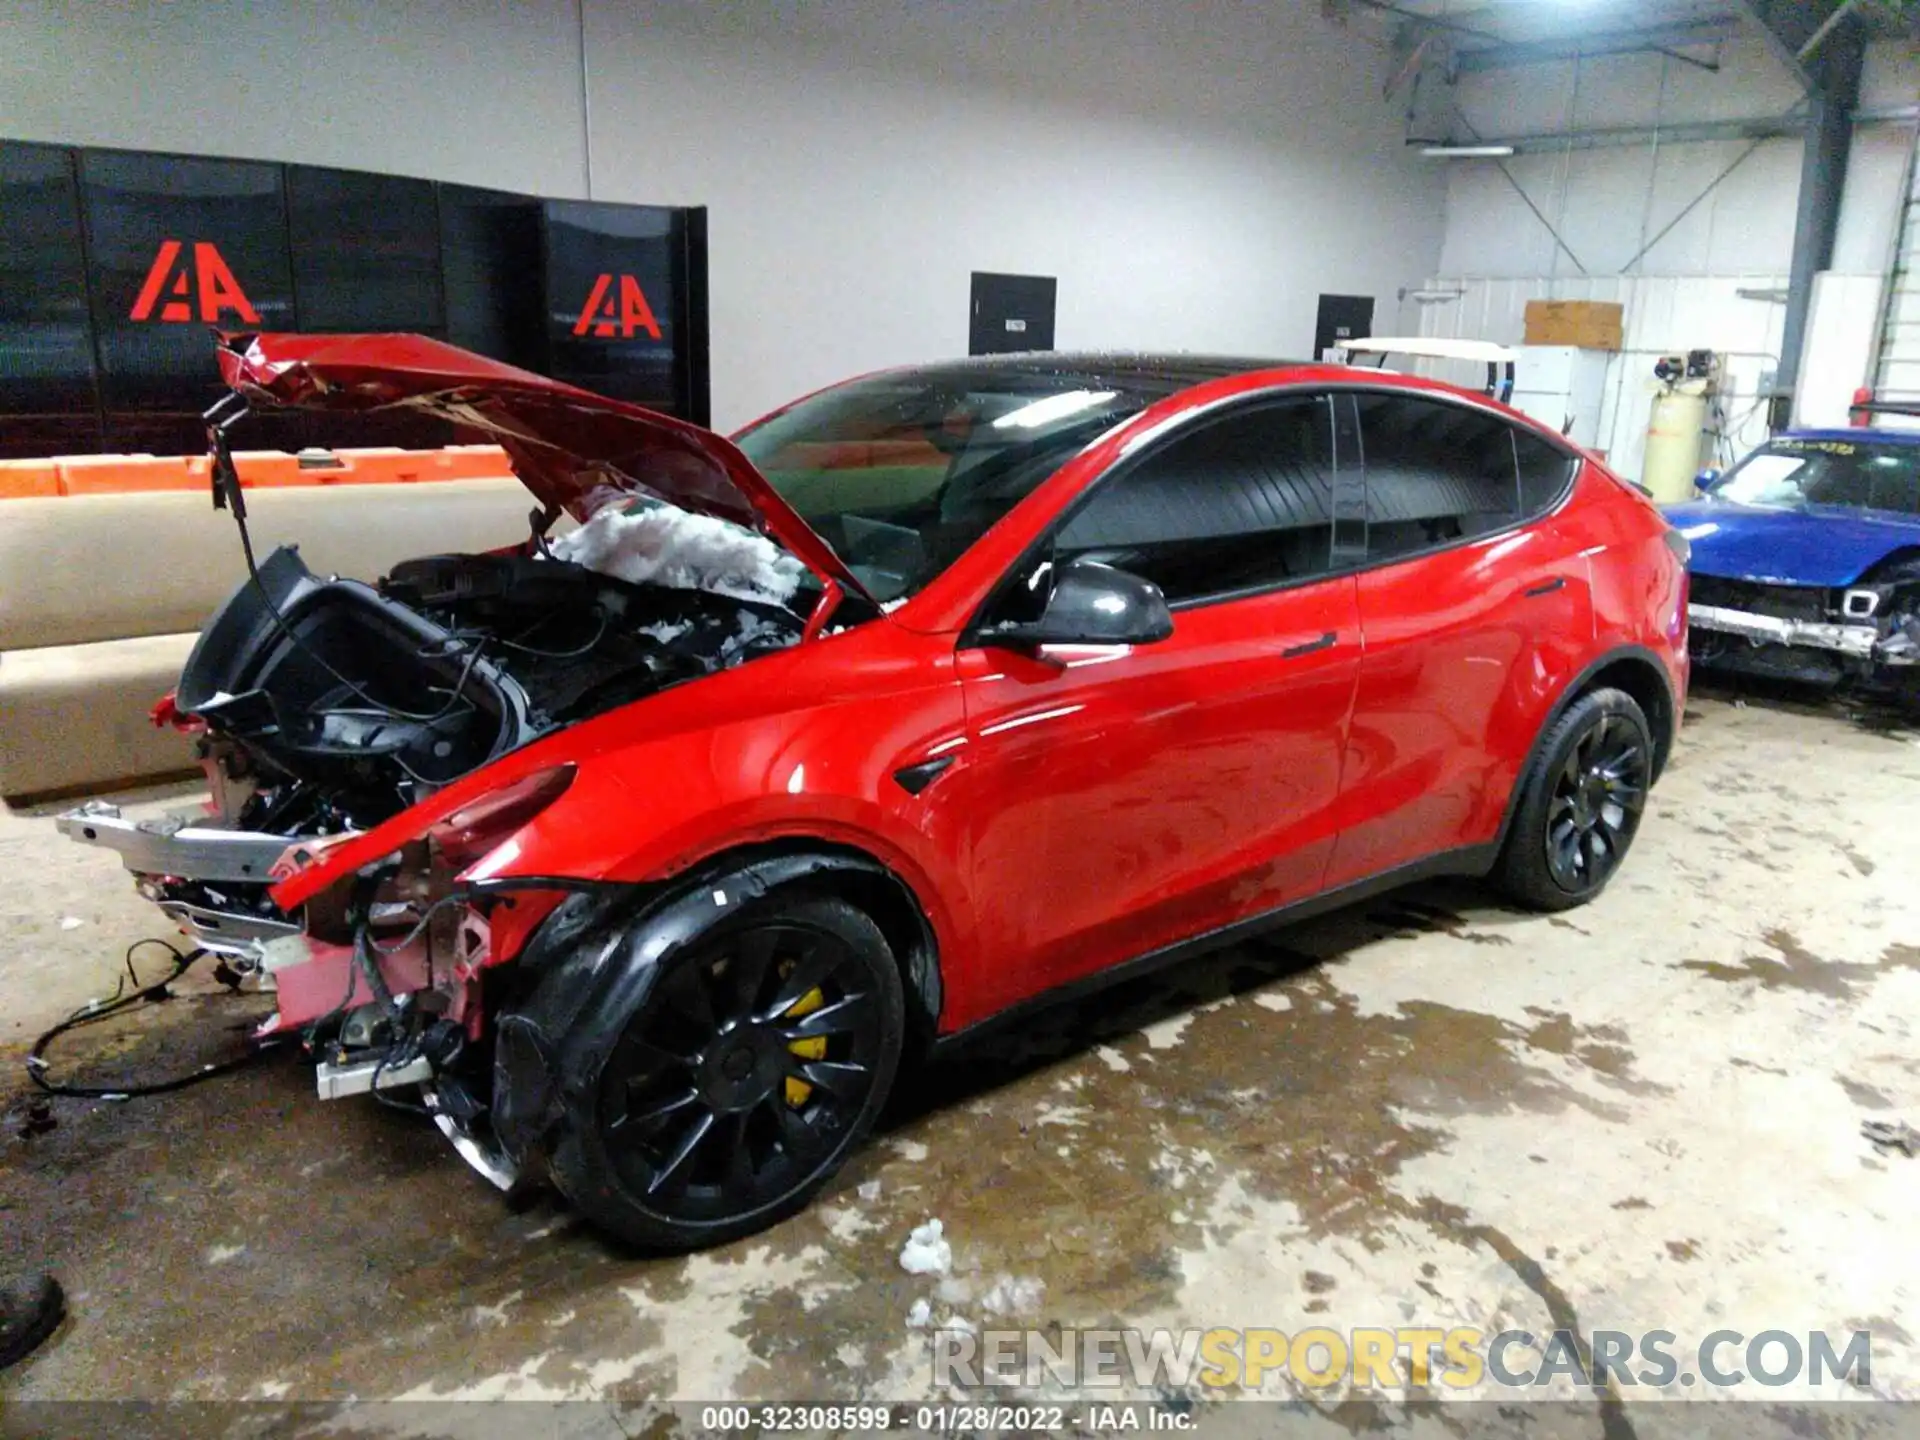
{"points": [[565, 443]]}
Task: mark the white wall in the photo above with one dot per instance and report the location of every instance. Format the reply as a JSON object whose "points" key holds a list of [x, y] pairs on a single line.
{"points": [[1667, 314], [1611, 203], [1195, 178], [1599, 199]]}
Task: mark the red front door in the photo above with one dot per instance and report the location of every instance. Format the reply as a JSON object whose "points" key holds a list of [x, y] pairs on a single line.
{"points": [[1126, 799]]}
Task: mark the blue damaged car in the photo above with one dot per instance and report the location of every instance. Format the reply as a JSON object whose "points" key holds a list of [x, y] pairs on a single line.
{"points": [[1806, 560]]}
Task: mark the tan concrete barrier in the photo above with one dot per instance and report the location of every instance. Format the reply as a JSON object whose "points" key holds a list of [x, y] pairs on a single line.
{"points": [[101, 595]]}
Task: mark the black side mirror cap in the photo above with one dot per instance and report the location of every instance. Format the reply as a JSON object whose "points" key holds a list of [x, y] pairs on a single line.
{"points": [[1094, 604]]}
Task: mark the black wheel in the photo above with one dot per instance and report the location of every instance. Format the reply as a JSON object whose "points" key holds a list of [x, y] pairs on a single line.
{"points": [[757, 1059], [1581, 804]]}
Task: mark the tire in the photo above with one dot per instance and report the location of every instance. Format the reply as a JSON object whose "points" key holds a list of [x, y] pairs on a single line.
{"points": [[1580, 804], [706, 1119]]}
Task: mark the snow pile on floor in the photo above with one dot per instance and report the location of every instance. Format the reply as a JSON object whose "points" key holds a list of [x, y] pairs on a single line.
{"points": [[920, 1314], [1013, 1295], [662, 544], [926, 1251]]}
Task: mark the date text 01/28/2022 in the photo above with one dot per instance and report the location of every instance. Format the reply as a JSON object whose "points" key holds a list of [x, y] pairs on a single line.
{"points": [[940, 1419]]}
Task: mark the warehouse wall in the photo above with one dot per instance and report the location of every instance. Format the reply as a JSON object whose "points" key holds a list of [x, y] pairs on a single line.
{"points": [[1601, 200], [1717, 279], [1192, 186], [1661, 314]]}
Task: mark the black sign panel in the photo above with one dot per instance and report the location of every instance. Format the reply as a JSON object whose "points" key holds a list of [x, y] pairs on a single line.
{"points": [[1010, 313], [490, 267], [366, 252], [46, 348], [115, 265], [612, 300], [178, 245], [1341, 318]]}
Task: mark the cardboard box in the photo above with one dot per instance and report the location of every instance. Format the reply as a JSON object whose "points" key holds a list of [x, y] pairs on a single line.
{"points": [[1590, 324]]}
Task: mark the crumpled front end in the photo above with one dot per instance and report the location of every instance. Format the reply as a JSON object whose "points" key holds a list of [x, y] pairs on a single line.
{"points": [[368, 747], [383, 977], [1868, 632]]}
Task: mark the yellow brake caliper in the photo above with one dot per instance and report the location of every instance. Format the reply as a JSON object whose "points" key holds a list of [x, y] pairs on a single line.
{"points": [[812, 1049]]}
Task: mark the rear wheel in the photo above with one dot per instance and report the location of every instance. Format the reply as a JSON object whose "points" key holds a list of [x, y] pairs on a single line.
{"points": [[1581, 805], [759, 1057]]}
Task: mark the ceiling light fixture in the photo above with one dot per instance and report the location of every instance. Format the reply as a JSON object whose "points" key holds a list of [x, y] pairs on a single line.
{"points": [[1467, 152], [1054, 407]]}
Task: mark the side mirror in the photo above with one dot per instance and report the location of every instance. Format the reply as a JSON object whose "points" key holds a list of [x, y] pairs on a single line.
{"points": [[1094, 604], [1707, 479]]}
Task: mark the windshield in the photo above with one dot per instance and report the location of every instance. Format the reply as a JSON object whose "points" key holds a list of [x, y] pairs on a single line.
{"points": [[902, 472], [1864, 474]]}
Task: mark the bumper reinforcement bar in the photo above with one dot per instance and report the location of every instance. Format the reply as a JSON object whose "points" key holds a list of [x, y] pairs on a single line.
{"points": [[173, 845], [1856, 640]]}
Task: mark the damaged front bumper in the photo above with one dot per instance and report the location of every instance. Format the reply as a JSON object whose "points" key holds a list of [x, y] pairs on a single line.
{"points": [[1864, 640], [213, 882], [166, 851], [1855, 640]]}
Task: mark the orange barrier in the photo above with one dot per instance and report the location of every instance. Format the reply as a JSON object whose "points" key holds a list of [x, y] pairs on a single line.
{"points": [[28, 477], [393, 466], [118, 474], [106, 474]]}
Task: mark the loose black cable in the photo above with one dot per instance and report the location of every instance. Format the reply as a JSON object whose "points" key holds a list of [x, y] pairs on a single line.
{"points": [[121, 1000]]}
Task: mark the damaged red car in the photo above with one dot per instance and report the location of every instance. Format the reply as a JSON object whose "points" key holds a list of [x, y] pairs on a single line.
{"points": [[645, 853]]}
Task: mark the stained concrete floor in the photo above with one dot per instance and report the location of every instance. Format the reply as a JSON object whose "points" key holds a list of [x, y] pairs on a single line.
{"points": [[1429, 1110]]}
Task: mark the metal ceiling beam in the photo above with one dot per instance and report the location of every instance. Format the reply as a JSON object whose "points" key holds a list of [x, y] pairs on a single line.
{"points": [[1795, 28], [1762, 127], [1813, 41], [1607, 137], [1834, 70], [1418, 21], [1657, 39]]}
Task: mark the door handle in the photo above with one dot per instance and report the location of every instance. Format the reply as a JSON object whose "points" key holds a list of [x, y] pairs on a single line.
{"points": [[1546, 587], [1325, 642]]}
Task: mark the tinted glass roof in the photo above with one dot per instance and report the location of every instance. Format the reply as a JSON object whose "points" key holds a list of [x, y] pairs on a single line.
{"points": [[1138, 372]]}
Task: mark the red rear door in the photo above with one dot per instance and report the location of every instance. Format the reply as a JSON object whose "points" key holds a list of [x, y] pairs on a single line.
{"points": [[1471, 617]]}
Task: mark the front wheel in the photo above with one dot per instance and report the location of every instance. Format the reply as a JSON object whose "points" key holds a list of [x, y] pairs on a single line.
{"points": [[1581, 805], [759, 1057]]}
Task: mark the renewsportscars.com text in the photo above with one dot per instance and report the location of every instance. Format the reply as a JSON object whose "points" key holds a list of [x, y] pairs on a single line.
{"points": [[1401, 1358]]}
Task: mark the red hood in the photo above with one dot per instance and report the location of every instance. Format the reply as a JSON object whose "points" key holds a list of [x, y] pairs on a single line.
{"points": [[565, 443]]}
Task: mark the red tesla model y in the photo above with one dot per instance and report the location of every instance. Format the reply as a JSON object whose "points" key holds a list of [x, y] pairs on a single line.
{"points": [[644, 852]]}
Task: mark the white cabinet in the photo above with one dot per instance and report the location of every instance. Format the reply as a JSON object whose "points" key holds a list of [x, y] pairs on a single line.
{"points": [[1556, 384]]}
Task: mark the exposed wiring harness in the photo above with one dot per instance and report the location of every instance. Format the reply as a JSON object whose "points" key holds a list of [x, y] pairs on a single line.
{"points": [[412, 1031], [124, 999]]}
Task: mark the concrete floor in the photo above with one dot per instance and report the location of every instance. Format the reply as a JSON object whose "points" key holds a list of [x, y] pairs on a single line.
{"points": [[1428, 1110]]}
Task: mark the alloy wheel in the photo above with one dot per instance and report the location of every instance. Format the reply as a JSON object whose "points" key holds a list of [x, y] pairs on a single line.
{"points": [[743, 1070], [1595, 805]]}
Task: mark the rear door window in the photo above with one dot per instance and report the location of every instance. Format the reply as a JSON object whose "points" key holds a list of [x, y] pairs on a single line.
{"points": [[1438, 473]]}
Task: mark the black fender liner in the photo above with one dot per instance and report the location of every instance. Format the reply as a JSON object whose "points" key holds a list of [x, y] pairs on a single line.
{"points": [[594, 959]]}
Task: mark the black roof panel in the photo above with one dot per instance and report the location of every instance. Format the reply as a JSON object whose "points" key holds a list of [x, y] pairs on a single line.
{"points": [[1152, 373]]}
